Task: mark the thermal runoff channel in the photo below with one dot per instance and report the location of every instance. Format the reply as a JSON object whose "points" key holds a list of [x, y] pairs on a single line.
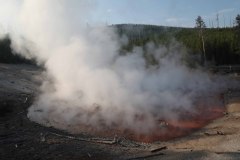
{"points": [[89, 86]]}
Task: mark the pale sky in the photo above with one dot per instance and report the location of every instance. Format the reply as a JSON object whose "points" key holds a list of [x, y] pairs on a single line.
{"points": [[158, 12], [167, 12]]}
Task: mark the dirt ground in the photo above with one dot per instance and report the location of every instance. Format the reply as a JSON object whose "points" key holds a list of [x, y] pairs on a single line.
{"points": [[22, 139]]}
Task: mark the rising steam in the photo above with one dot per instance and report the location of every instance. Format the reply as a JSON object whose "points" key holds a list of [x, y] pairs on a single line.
{"points": [[88, 82]]}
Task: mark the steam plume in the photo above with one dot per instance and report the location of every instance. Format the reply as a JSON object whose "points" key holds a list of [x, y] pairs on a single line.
{"points": [[88, 82]]}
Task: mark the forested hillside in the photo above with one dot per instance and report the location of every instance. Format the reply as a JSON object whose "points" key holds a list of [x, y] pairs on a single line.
{"points": [[222, 45]]}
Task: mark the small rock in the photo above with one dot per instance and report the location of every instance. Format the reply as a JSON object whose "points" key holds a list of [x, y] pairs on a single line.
{"points": [[220, 133]]}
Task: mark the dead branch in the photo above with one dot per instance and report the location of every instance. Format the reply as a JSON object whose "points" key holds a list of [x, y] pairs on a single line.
{"points": [[92, 140], [159, 149], [148, 156], [214, 134]]}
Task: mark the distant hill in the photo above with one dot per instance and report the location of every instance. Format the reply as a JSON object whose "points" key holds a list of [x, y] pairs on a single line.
{"points": [[222, 45], [143, 31]]}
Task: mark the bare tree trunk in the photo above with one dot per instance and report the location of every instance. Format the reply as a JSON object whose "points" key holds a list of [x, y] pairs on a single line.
{"points": [[203, 46], [204, 51]]}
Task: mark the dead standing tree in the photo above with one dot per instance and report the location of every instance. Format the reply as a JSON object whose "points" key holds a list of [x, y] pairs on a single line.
{"points": [[200, 25], [237, 30]]}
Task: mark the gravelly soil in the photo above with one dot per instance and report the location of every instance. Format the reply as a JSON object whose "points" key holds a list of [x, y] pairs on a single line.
{"points": [[22, 139]]}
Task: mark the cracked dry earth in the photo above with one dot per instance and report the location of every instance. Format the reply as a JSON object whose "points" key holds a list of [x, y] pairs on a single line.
{"points": [[22, 139]]}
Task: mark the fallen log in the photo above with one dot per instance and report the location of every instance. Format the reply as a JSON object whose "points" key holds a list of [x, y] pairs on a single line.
{"points": [[92, 140]]}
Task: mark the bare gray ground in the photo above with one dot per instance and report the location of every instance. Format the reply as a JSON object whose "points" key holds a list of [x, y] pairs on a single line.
{"points": [[23, 139]]}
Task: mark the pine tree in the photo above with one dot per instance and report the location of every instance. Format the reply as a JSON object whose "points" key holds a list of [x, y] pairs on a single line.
{"points": [[238, 21], [200, 23]]}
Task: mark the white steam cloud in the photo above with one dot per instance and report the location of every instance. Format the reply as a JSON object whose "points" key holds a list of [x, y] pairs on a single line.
{"points": [[88, 82]]}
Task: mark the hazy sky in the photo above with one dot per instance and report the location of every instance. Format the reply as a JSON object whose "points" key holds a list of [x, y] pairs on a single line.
{"points": [[167, 12], [159, 12]]}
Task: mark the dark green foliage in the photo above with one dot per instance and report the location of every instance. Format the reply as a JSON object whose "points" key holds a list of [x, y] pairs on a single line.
{"points": [[7, 55], [238, 21], [200, 23], [221, 44]]}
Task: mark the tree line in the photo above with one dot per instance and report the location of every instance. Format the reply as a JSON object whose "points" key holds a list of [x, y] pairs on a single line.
{"points": [[209, 46], [221, 45], [7, 55], [216, 46]]}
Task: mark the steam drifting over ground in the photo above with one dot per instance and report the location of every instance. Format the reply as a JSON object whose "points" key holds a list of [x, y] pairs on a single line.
{"points": [[88, 82]]}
